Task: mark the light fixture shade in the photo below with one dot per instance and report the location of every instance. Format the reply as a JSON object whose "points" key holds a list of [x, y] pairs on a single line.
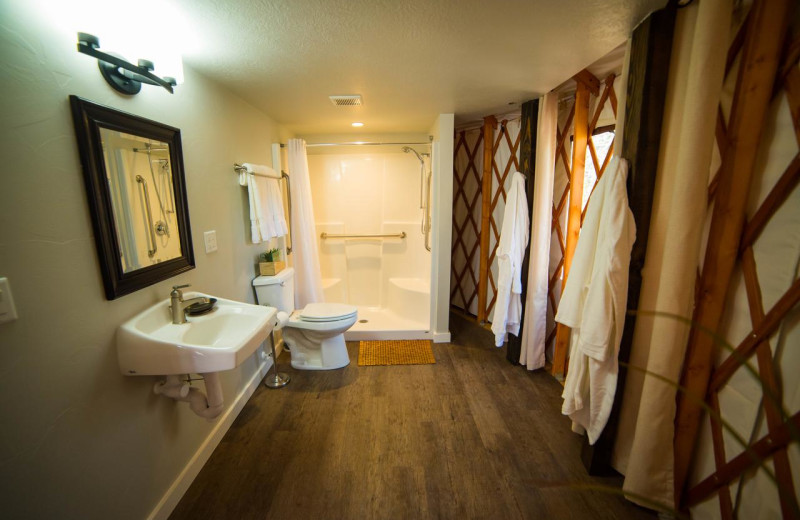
{"points": [[169, 65], [122, 75], [145, 45], [154, 30]]}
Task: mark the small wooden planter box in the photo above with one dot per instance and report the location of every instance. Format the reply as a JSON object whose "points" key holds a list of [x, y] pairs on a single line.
{"points": [[271, 268]]}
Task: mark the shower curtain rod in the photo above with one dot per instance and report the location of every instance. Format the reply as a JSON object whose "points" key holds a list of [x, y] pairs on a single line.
{"points": [[357, 143]]}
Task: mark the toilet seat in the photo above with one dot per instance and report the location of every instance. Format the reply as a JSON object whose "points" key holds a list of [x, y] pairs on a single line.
{"points": [[327, 312]]}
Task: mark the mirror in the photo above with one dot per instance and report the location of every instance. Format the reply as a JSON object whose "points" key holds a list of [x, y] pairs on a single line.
{"points": [[139, 176], [133, 171]]}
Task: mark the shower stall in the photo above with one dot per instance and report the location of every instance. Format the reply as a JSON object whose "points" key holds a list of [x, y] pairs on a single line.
{"points": [[373, 220]]}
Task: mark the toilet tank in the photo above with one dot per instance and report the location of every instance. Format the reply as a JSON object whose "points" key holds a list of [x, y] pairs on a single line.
{"points": [[276, 291]]}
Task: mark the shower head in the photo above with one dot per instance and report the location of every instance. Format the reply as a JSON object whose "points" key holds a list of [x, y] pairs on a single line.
{"points": [[407, 149]]}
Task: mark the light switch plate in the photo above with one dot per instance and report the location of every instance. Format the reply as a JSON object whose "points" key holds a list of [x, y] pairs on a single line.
{"points": [[8, 311], [210, 238]]}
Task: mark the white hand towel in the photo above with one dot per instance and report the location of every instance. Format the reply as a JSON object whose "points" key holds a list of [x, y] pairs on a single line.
{"points": [[253, 199], [275, 204], [266, 202], [265, 225], [260, 169]]}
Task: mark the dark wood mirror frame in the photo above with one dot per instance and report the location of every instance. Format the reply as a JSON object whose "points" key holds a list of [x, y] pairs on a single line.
{"points": [[89, 118]]}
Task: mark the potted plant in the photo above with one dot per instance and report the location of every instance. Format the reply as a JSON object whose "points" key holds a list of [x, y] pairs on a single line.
{"points": [[270, 263]]}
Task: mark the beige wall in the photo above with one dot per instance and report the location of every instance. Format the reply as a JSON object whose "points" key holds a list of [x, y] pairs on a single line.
{"points": [[79, 440], [442, 131]]}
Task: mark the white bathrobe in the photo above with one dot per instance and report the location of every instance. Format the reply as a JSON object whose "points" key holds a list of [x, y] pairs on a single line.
{"points": [[510, 251], [594, 302]]}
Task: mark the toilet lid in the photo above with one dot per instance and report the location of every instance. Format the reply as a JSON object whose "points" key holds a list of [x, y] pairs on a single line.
{"points": [[327, 311]]}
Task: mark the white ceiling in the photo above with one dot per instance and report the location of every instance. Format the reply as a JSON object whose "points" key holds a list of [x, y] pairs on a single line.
{"points": [[410, 60]]}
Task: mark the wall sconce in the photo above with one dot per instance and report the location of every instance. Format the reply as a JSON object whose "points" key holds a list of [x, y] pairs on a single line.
{"points": [[123, 76]]}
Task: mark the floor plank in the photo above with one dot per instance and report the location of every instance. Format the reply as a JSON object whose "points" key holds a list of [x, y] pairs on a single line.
{"points": [[469, 437]]}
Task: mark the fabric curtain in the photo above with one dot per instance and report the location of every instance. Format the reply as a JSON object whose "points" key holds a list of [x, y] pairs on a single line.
{"points": [[533, 333], [308, 276], [648, 411]]}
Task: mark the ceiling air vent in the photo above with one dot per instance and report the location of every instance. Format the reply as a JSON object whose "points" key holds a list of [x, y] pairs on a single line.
{"points": [[346, 101]]}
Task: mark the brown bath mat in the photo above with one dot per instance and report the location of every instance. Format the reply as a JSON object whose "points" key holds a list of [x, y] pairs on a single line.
{"points": [[395, 352]]}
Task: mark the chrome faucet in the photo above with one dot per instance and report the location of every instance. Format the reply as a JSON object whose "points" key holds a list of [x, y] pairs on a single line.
{"points": [[178, 304]]}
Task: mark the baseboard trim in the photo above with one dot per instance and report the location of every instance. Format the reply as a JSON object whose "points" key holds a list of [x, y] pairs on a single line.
{"points": [[441, 337], [175, 492], [367, 335]]}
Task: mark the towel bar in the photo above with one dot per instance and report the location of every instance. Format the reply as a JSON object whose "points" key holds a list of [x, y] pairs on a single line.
{"points": [[238, 168]]}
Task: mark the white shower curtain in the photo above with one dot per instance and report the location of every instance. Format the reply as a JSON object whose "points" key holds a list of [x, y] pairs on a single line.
{"points": [[644, 443], [533, 333], [308, 277]]}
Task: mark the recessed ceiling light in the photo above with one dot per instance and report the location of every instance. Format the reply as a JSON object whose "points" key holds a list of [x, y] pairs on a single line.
{"points": [[357, 124]]}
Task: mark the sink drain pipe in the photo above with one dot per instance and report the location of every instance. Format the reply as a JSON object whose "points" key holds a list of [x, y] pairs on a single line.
{"points": [[208, 405]]}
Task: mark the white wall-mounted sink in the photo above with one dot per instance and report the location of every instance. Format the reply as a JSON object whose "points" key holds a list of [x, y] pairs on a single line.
{"points": [[150, 344]]}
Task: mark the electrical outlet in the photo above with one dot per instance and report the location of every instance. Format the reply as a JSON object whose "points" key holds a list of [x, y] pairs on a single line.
{"points": [[8, 311], [210, 238]]}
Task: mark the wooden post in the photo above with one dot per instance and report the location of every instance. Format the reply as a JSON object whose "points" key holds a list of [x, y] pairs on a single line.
{"points": [[757, 71], [579, 140], [489, 124], [527, 166], [589, 81], [651, 46]]}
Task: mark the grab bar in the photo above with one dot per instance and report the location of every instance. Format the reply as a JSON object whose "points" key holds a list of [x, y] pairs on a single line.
{"points": [[426, 217], [401, 234], [148, 217]]}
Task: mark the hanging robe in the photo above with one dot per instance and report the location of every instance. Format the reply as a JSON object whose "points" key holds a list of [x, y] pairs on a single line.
{"points": [[510, 251], [594, 302]]}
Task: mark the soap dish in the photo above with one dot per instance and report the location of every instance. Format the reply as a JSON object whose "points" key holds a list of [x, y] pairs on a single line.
{"points": [[200, 308]]}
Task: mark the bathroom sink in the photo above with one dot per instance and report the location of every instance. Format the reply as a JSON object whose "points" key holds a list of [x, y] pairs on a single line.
{"points": [[150, 344]]}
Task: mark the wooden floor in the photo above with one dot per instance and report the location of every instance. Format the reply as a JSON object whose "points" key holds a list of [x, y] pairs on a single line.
{"points": [[469, 437]]}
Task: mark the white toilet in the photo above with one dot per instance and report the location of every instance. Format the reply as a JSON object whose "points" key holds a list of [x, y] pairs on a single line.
{"points": [[315, 334]]}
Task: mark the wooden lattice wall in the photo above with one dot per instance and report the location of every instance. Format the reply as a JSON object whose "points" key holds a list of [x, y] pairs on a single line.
{"points": [[601, 96], [505, 161], [474, 264], [469, 174], [465, 255], [767, 76]]}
